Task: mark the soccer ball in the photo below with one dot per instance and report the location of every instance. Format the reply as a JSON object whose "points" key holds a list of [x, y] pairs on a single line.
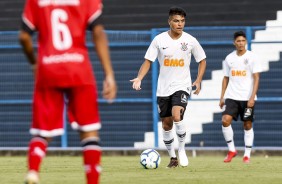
{"points": [[150, 159]]}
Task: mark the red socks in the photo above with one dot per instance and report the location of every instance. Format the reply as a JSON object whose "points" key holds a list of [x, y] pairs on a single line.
{"points": [[36, 152], [91, 155], [92, 159]]}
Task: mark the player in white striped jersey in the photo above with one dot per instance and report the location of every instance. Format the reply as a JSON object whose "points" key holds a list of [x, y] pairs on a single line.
{"points": [[173, 49], [239, 88]]}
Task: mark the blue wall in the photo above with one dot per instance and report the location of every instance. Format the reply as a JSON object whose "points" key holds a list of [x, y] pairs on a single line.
{"points": [[125, 121]]}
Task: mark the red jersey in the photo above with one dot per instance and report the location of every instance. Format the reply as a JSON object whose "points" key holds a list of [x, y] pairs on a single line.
{"points": [[63, 59]]}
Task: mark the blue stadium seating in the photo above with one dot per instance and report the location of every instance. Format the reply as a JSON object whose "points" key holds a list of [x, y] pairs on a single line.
{"points": [[268, 115], [148, 14], [125, 123]]}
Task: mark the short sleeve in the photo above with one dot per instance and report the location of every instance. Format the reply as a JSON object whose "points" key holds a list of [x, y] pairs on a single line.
{"points": [[198, 52], [94, 8], [152, 52], [225, 68], [30, 16], [256, 65]]}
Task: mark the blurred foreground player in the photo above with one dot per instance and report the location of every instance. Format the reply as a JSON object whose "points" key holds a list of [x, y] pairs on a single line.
{"points": [[62, 69]]}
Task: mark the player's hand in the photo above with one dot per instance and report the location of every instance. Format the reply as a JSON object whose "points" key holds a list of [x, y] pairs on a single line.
{"points": [[221, 103], [198, 87], [251, 103], [136, 83], [109, 89]]}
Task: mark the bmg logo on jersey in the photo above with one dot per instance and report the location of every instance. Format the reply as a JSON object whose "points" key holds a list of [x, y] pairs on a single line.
{"points": [[174, 62], [239, 73]]}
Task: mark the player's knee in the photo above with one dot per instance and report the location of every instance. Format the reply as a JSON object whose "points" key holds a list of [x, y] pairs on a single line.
{"points": [[226, 121], [48, 139], [167, 127], [248, 125], [176, 118], [85, 135]]}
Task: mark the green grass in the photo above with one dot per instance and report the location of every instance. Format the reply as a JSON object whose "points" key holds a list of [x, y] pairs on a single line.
{"points": [[127, 170]]}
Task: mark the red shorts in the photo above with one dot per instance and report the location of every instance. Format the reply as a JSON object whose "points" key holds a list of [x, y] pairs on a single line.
{"points": [[49, 107]]}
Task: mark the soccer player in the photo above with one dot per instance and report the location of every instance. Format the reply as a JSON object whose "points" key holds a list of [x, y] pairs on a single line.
{"points": [[62, 70], [174, 48], [239, 88]]}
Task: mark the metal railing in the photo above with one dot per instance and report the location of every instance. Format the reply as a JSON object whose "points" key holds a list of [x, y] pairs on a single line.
{"points": [[144, 42]]}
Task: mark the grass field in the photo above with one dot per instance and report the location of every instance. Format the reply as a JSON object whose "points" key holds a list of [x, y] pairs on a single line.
{"points": [[127, 170]]}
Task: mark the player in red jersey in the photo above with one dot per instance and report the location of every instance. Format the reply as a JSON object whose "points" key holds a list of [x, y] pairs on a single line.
{"points": [[62, 70]]}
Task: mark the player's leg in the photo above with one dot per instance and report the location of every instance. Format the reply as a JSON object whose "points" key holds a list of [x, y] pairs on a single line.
{"points": [[230, 113], [249, 139], [179, 103], [164, 106], [84, 106], [47, 122], [248, 118], [91, 155], [180, 128], [168, 138]]}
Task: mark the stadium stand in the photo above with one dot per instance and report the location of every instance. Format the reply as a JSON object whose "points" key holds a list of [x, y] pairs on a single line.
{"points": [[268, 112], [125, 122], [147, 14]]}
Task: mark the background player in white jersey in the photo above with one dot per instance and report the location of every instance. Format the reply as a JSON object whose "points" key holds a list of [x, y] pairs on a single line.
{"points": [[173, 49], [239, 88]]}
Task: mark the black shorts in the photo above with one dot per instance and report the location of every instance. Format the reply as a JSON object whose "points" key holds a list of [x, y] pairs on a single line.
{"points": [[235, 108], [165, 104]]}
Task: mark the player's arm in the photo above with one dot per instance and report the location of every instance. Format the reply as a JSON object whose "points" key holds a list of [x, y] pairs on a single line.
{"points": [[224, 85], [201, 72], [25, 39], [101, 44], [145, 67], [251, 101]]}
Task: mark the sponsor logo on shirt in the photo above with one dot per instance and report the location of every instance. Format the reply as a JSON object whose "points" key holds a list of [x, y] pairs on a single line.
{"points": [[43, 3], [184, 46], [174, 62], [239, 73], [63, 58]]}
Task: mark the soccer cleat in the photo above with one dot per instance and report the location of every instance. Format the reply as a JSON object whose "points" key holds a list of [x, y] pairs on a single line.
{"points": [[183, 159], [246, 159], [230, 155], [173, 163], [32, 178]]}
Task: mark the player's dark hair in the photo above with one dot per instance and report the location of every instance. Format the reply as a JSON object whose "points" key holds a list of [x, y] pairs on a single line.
{"points": [[239, 33], [176, 11]]}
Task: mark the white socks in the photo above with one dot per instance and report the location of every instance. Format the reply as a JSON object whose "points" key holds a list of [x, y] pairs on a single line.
{"points": [[169, 142], [228, 136], [168, 138], [249, 139], [181, 134]]}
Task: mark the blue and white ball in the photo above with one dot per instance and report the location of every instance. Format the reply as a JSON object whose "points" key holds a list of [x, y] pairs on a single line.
{"points": [[150, 159]]}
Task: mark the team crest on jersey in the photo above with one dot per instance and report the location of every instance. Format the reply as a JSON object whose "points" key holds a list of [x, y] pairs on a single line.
{"points": [[184, 98], [246, 61], [184, 46]]}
